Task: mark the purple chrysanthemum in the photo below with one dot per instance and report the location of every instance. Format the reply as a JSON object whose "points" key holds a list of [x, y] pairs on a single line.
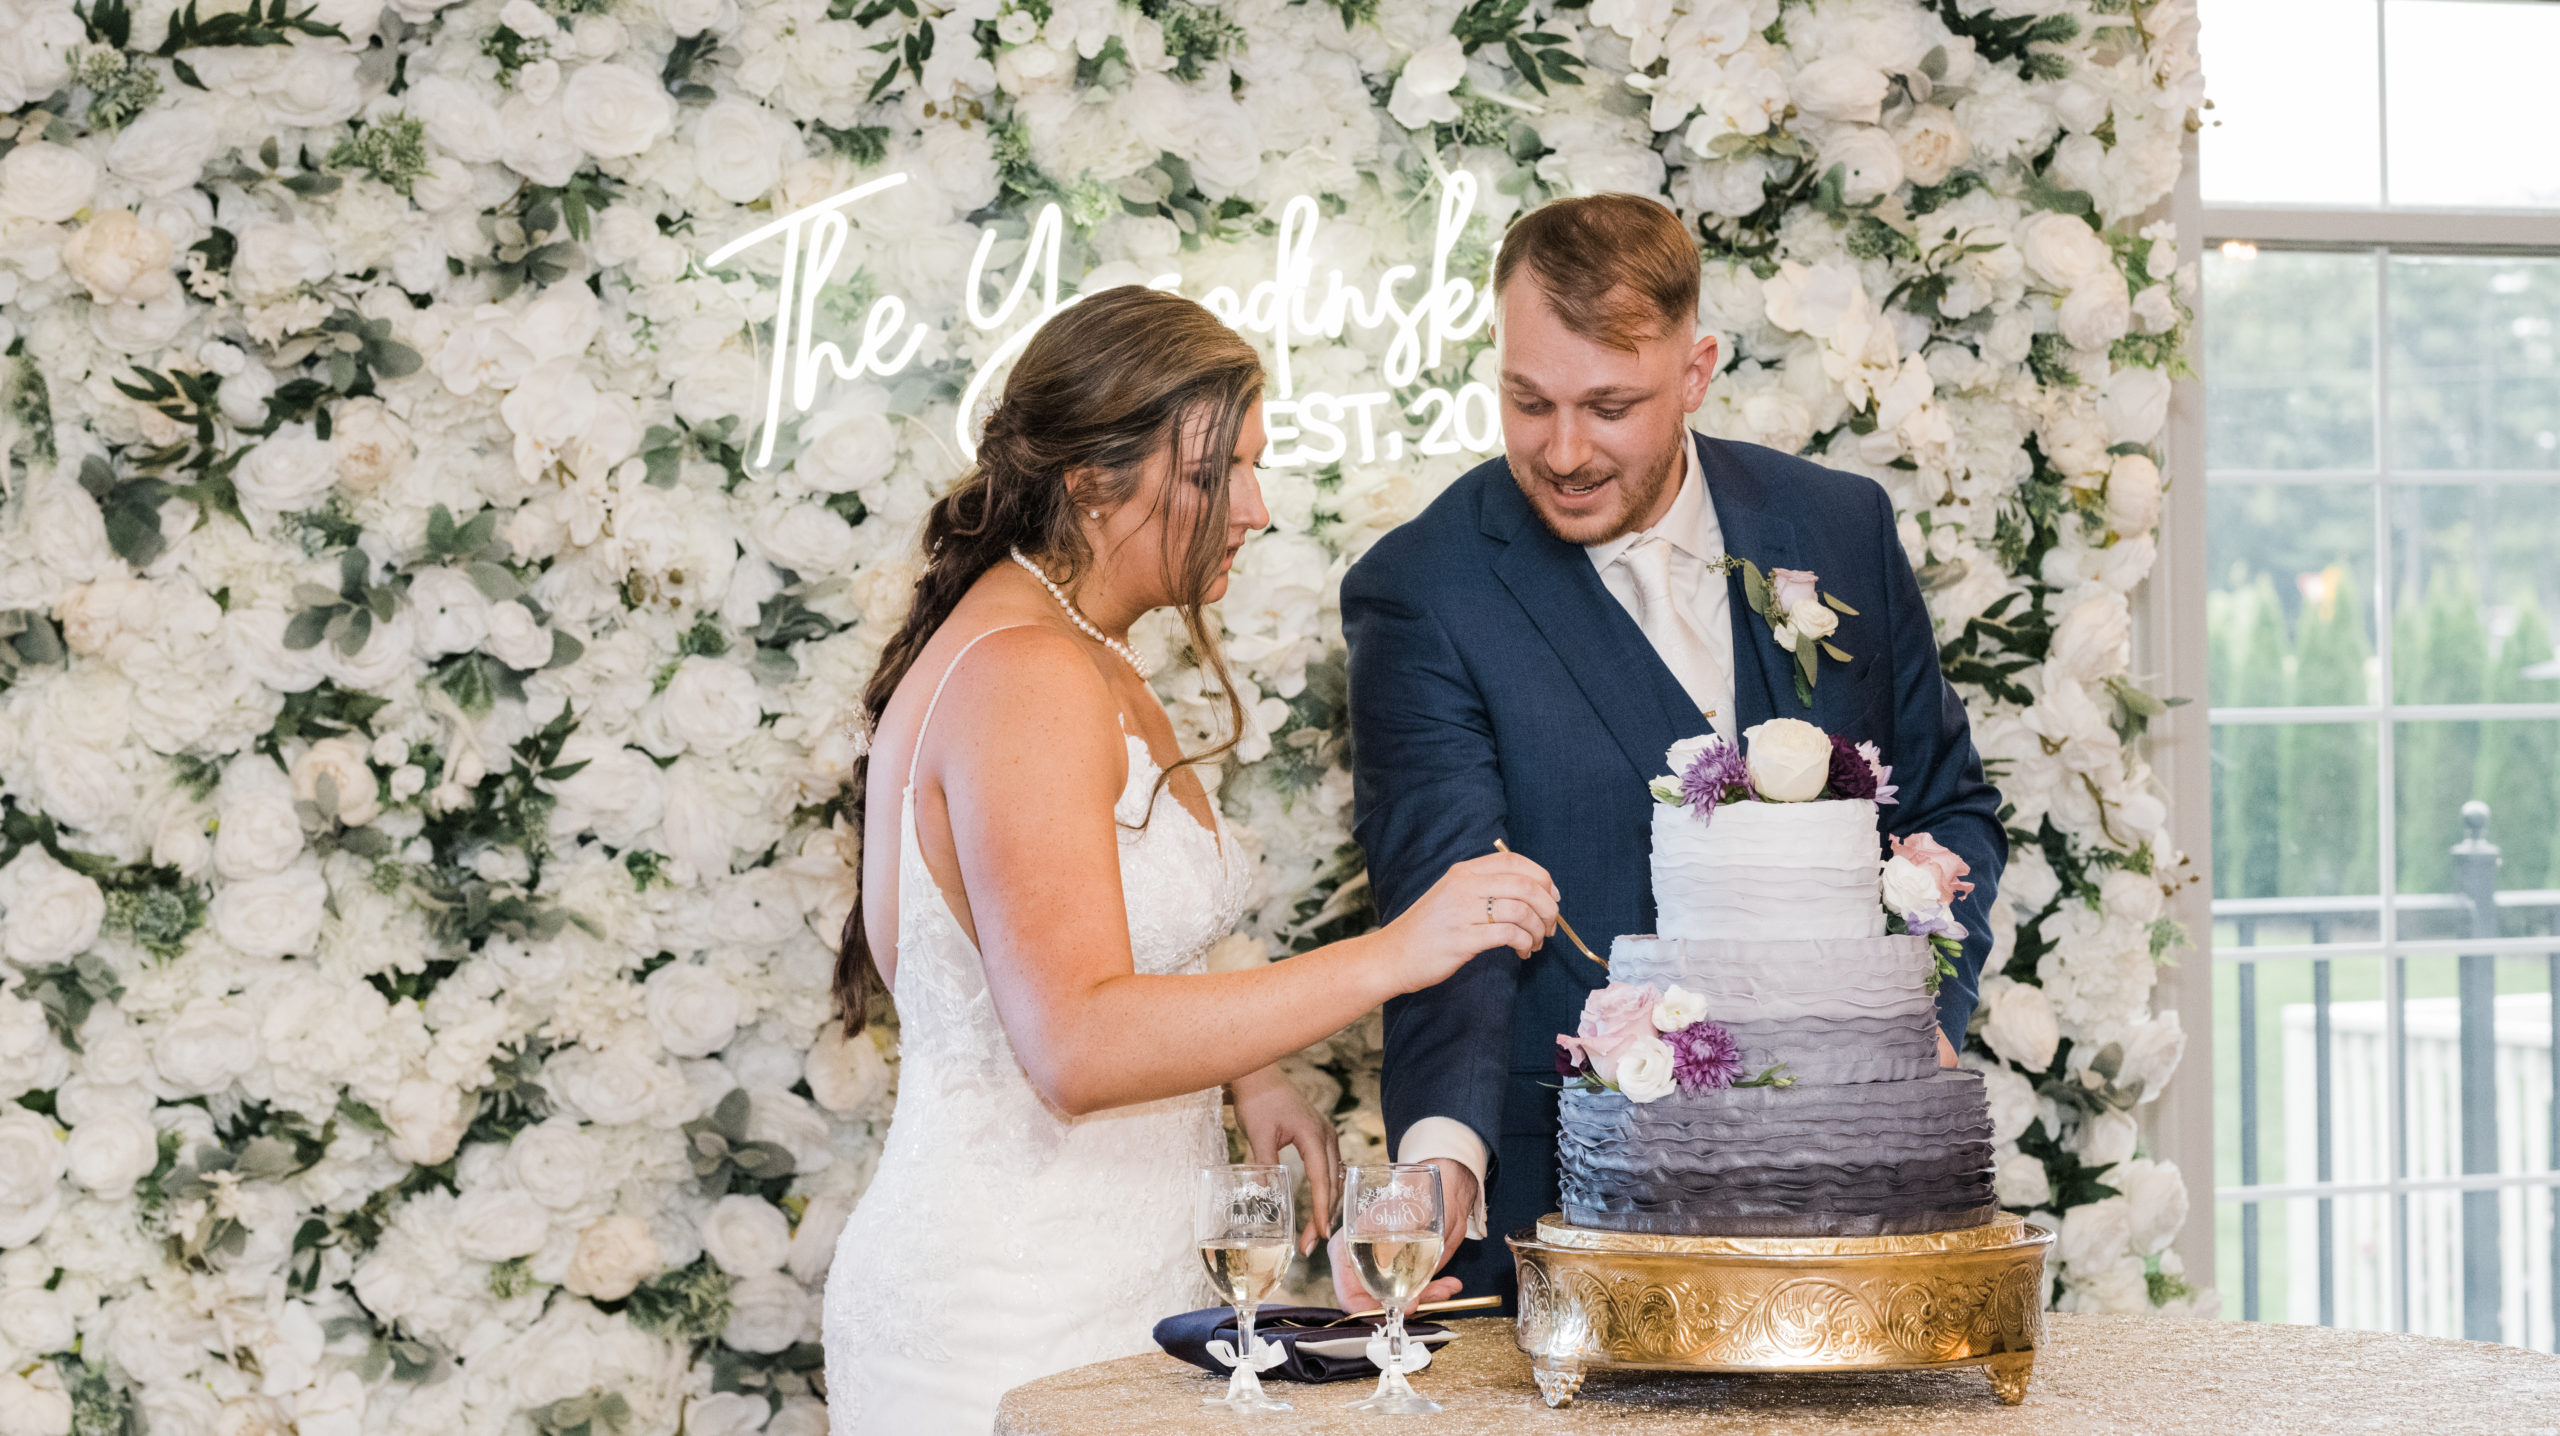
{"points": [[1850, 775], [1704, 1057], [1885, 787], [1716, 770]]}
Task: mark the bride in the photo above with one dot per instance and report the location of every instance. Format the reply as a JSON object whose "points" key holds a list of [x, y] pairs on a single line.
{"points": [[1042, 871]]}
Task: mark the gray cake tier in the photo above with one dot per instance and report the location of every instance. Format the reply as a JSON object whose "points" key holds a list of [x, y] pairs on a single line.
{"points": [[1832, 1010], [1827, 978], [1900, 1047], [1870, 1159]]}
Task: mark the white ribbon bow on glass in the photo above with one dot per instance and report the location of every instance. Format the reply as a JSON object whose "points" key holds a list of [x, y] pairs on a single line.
{"points": [[1266, 1354], [1416, 1355]]}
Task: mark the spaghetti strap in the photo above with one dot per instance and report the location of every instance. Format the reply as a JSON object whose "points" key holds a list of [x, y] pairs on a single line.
{"points": [[935, 701]]}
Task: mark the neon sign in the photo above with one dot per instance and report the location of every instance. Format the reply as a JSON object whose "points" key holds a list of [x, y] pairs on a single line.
{"points": [[1311, 428]]}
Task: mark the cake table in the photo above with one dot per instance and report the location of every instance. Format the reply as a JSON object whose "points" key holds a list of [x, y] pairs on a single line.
{"points": [[2094, 1374]]}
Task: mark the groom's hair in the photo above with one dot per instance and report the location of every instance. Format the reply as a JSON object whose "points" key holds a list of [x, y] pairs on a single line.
{"points": [[1618, 268]]}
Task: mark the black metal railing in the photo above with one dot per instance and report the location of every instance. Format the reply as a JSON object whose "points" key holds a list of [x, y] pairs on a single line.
{"points": [[2486, 912]]}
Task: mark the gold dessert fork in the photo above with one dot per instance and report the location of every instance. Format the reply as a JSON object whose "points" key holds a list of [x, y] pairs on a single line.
{"points": [[1560, 922]]}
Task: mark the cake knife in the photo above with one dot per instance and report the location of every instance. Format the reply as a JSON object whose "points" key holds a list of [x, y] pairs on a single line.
{"points": [[1560, 922]]}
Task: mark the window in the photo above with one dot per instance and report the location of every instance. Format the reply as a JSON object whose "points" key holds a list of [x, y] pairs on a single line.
{"points": [[2382, 439]]}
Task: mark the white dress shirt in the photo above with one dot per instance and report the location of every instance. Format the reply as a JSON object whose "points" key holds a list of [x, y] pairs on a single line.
{"points": [[1693, 634]]}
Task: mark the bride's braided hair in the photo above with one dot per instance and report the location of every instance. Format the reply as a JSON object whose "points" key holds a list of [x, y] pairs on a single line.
{"points": [[1106, 384]]}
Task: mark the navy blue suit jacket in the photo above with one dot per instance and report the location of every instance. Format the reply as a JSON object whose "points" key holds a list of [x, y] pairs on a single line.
{"points": [[1498, 690]]}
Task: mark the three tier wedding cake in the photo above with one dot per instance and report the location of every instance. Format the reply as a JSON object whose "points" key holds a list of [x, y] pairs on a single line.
{"points": [[1767, 1065]]}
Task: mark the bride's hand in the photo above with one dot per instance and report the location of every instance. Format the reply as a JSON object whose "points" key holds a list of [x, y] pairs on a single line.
{"points": [[1498, 900], [1272, 1113]]}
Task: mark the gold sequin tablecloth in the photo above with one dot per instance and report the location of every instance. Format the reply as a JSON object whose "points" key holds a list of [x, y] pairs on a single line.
{"points": [[2093, 1374]]}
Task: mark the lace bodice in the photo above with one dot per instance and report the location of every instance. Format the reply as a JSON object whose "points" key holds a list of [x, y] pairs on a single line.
{"points": [[1002, 1239]]}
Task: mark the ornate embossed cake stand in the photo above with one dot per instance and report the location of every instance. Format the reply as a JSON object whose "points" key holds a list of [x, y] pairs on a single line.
{"points": [[1595, 1299]]}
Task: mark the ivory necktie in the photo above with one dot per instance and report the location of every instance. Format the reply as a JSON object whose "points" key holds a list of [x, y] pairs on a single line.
{"points": [[1674, 635]]}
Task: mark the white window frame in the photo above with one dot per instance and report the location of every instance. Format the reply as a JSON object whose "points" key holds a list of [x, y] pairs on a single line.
{"points": [[2176, 610]]}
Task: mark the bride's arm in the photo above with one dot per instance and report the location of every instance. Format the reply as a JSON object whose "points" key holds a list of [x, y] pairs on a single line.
{"points": [[1029, 757]]}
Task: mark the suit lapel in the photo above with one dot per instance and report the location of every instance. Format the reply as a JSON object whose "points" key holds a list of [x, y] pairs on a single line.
{"points": [[1764, 674], [1638, 699]]}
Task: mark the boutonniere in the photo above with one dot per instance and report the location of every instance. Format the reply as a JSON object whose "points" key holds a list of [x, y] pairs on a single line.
{"points": [[1799, 615]]}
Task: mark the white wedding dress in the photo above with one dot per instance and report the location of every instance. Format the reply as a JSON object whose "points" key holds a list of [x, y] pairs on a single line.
{"points": [[1002, 1240]]}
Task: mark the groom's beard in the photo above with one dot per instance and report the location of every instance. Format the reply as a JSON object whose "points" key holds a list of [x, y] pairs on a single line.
{"points": [[1618, 503]]}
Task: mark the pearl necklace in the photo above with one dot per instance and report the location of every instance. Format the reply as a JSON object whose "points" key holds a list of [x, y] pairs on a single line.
{"points": [[1127, 654]]}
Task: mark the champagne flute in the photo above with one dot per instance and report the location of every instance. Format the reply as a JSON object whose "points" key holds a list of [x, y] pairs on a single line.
{"points": [[1393, 1217], [1242, 1222]]}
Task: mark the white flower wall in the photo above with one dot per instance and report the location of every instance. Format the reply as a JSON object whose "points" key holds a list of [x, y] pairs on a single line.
{"points": [[421, 745]]}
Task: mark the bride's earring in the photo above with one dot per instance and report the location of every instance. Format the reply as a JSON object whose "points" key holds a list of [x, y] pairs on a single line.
{"points": [[1093, 513]]}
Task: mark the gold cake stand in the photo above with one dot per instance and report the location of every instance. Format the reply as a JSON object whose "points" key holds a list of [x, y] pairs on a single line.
{"points": [[1593, 1299]]}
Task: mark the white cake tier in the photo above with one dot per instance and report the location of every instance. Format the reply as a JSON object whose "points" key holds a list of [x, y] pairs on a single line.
{"points": [[1768, 870]]}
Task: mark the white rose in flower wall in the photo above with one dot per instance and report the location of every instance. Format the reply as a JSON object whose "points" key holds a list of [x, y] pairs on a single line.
{"points": [[32, 1161], [746, 1236], [614, 1255], [613, 110], [2021, 1026], [48, 913], [45, 182], [523, 922]]}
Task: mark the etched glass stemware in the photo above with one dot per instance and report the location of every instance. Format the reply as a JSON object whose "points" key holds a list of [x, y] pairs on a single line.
{"points": [[1242, 1221], [1392, 1216]]}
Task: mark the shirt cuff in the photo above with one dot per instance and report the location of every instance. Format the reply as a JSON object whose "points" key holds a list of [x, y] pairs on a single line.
{"points": [[1450, 1138]]}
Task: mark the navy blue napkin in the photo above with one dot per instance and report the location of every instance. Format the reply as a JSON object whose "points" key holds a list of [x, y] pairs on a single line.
{"points": [[1316, 1350]]}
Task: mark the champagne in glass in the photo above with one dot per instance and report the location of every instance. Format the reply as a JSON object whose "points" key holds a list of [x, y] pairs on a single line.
{"points": [[1242, 1221], [1393, 1217], [1244, 1269], [1396, 1266]]}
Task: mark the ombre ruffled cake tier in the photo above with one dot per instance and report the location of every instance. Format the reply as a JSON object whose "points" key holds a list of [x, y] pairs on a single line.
{"points": [[1832, 1011], [1862, 1159]]}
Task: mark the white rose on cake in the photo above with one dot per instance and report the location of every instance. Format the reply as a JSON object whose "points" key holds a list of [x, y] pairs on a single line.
{"points": [[1677, 1008], [1908, 887], [1645, 1071], [1789, 759]]}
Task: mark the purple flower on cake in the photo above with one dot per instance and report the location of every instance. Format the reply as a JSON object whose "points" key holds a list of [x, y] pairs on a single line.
{"points": [[1706, 771], [1851, 778], [1883, 771], [1704, 1057]]}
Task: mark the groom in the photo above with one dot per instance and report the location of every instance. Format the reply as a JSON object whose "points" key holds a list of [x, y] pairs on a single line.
{"points": [[1523, 652]]}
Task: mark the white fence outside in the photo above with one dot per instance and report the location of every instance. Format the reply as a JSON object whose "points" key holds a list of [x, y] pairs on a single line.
{"points": [[2360, 1126]]}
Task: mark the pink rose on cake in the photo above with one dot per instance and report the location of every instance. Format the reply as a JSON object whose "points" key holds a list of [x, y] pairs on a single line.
{"points": [[1614, 1020], [1944, 867], [1921, 882], [1646, 1045]]}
